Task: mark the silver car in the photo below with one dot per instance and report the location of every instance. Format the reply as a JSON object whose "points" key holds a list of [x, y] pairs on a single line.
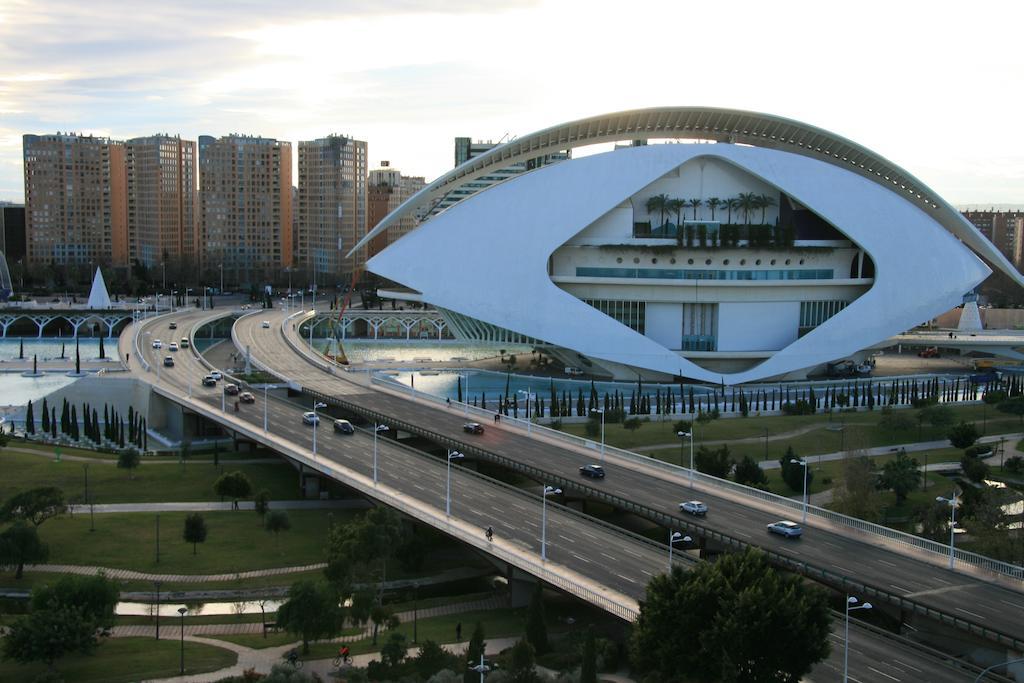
{"points": [[786, 528], [694, 507]]}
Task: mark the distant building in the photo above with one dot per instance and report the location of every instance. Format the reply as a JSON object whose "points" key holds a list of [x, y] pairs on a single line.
{"points": [[12, 231], [161, 199], [245, 207], [331, 207], [466, 149], [75, 200], [1005, 229], [387, 189]]}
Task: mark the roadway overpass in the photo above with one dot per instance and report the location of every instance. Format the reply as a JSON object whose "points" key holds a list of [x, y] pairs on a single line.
{"points": [[603, 565]]}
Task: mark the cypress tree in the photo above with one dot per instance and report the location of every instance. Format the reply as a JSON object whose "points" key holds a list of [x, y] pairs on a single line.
{"points": [[30, 419], [53, 422], [95, 426], [145, 435], [691, 400], [46, 417], [65, 424], [536, 626], [74, 422]]}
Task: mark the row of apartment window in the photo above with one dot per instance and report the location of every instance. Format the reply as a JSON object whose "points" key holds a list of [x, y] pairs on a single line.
{"points": [[703, 274]]}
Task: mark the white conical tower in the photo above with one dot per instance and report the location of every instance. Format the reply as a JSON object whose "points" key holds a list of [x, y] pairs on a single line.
{"points": [[970, 318], [98, 297]]}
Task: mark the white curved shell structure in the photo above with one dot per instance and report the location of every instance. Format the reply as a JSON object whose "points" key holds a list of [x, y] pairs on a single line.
{"points": [[566, 254]]}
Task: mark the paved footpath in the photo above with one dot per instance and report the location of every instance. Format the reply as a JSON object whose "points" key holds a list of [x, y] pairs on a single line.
{"points": [[214, 506]]}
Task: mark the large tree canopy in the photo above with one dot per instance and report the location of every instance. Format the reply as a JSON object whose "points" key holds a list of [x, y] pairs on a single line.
{"points": [[736, 619], [313, 611], [35, 505]]}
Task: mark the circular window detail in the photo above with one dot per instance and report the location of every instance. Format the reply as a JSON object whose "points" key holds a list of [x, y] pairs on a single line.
{"points": [[772, 262], [618, 260], [757, 262], [787, 262], [725, 262], [689, 261], [636, 260], [671, 260], [743, 261], [654, 260], [801, 262], [707, 262]]}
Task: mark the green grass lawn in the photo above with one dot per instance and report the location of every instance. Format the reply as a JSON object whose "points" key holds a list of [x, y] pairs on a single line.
{"points": [[31, 579], [235, 542], [152, 483], [122, 660]]}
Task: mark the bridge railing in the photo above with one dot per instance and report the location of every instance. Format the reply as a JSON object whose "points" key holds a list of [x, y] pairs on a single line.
{"points": [[901, 538]]}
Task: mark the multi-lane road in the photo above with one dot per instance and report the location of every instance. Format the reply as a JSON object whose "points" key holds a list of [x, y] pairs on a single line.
{"points": [[585, 547]]}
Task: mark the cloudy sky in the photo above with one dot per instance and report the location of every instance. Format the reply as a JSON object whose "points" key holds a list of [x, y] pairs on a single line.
{"points": [[937, 87]]}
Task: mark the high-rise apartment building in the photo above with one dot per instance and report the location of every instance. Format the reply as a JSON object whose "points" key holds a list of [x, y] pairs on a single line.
{"points": [[75, 200], [245, 207], [466, 149], [1005, 229], [161, 199], [386, 190], [332, 207]]}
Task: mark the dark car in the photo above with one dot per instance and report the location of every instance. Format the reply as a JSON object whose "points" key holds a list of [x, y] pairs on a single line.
{"points": [[593, 471], [209, 381], [473, 428], [173, 326], [231, 389], [169, 361], [246, 397], [344, 427]]}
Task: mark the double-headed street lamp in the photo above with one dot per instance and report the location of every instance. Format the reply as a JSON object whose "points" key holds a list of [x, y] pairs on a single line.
{"points": [[548, 491], [452, 455], [316, 422], [527, 393], [851, 605], [182, 611], [482, 668], [601, 411], [952, 502], [376, 428], [673, 538], [802, 463], [686, 435]]}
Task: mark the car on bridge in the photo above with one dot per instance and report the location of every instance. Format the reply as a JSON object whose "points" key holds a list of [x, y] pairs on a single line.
{"points": [[168, 361], [246, 397], [157, 344], [173, 325], [344, 427], [694, 507], [786, 528], [184, 342], [231, 389], [265, 324], [173, 346], [310, 418], [473, 428], [593, 471], [209, 381], [215, 374], [382, 428]]}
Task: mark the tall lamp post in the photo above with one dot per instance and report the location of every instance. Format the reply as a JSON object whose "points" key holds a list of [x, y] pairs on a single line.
{"points": [[527, 393], [952, 502], [221, 279], [548, 491], [482, 668], [316, 422], [686, 435], [465, 402], [452, 455], [376, 428], [158, 583], [182, 611], [996, 666], [802, 463], [601, 411], [673, 538], [851, 604]]}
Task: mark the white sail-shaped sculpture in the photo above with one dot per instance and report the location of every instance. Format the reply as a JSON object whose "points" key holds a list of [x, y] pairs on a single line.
{"points": [[98, 297]]}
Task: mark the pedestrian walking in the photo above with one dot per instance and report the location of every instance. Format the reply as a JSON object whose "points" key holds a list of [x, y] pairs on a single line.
{"points": [[458, 632]]}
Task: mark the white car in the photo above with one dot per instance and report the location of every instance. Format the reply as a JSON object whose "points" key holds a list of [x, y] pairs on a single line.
{"points": [[173, 346], [157, 344], [694, 507], [216, 375], [310, 418], [786, 528], [265, 324]]}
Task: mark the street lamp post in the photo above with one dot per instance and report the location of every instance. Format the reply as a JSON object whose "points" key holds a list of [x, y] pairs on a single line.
{"points": [[687, 435], [265, 387], [316, 422], [375, 428], [996, 666], [850, 601], [465, 403], [601, 411], [802, 463], [529, 423], [452, 455], [222, 279], [182, 611], [952, 502], [548, 491], [673, 538], [158, 583], [482, 668]]}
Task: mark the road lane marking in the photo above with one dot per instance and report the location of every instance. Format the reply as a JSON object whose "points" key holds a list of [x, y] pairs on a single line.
{"points": [[1012, 604], [973, 614], [883, 673], [900, 588], [907, 666], [889, 564], [626, 578]]}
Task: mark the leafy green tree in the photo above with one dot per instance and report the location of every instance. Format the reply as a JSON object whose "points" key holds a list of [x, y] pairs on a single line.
{"points": [[632, 423], [394, 650], [96, 596], [748, 472], [714, 461], [277, 521], [195, 530], [588, 668], [261, 503], [536, 625], [433, 658], [363, 546], [973, 468], [129, 459], [937, 415], [1014, 406], [934, 520], [901, 476], [895, 420], [964, 434], [793, 472], [48, 635], [35, 505], [234, 485], [474, 651], [857, 492], [522, 666], [20, 545], [733, 619], [313, 611]]}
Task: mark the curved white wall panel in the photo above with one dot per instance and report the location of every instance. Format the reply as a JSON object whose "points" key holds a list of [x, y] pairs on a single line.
{"points": [[487, 256]]}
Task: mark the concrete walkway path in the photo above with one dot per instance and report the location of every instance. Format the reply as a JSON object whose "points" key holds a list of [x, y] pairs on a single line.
{"points": [[214, 506], [146, 460]]}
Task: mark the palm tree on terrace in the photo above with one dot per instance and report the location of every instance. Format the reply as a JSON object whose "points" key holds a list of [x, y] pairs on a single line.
{"points": [[658, 203], [676, 206], [713, 203], [732, 203], [695, 204], [765, 201], [748, 204]]}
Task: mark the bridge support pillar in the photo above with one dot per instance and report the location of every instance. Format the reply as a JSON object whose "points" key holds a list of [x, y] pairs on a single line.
{"points": [[41, 321], [76, 322], [6, 321]]}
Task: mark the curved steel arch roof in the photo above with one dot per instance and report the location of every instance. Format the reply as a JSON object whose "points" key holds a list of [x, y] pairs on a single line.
{"points": [[708, 123]]}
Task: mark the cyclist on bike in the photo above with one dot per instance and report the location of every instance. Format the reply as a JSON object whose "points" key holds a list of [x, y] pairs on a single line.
{"points": [[292, 656], [345, 656]]}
